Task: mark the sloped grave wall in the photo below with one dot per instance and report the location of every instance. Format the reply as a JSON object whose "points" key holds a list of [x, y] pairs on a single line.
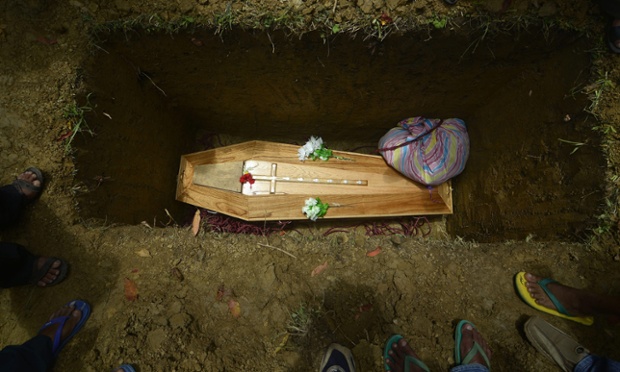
{"points": [[158, 96]]}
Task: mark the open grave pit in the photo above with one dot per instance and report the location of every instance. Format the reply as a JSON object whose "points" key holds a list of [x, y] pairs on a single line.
{"points": [[535, 167]]}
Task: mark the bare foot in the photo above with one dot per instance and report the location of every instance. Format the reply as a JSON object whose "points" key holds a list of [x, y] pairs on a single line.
{"points": [[469, 337], [74, 317], [574, 300], [398, 357], [51, 274], [31, 178]]}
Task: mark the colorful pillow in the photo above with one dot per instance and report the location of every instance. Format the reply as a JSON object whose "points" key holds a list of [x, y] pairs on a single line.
{"points": [[429, 151]]}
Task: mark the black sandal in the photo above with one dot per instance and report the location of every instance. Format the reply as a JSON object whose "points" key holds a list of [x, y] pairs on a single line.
{"points": [[39, 273], [24, 186]]}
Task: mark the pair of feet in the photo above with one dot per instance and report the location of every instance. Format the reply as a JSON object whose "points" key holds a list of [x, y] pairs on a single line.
{"points": [[472, 347], [29, 184]]}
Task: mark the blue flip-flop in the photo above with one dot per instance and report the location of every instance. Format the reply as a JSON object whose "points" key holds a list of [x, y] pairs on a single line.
{"points": [[61, 320], [409, 359], [476, 348], [125, 368]]}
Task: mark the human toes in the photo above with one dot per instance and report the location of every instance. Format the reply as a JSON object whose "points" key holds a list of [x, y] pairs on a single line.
{"points": [[51, 274], [74, 316], [531, 278], [48, 278], [63, 311], [399, 353], [30, 177], [470, 336], [395, 359], [402, 348], [532, 283]]}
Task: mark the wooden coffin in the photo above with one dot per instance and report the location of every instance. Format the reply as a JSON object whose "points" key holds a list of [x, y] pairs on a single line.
{"points": [[359, 186]]}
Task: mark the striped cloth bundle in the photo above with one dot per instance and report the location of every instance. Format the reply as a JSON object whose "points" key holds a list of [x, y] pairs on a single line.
{"points": [[429, 151]]}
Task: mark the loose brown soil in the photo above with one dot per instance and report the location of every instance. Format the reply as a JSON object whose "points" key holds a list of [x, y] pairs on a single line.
{"points": [[172, 78]]}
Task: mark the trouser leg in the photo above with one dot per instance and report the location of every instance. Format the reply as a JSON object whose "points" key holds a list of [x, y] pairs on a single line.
{"points": [[16, 265], [593, 363], [11, 202], [34, 355]]}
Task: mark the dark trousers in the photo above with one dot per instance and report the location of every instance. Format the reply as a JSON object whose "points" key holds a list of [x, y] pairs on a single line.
{"points": [[32, 356], [16, 262], [11, 202], [16, 265]]}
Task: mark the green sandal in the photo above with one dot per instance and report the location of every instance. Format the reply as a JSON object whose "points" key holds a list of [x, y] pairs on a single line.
{"points": [[409, 359], [476, 349]]}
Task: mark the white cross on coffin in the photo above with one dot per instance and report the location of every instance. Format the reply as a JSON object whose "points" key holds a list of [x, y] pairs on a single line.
{"points": [[266, 177]]}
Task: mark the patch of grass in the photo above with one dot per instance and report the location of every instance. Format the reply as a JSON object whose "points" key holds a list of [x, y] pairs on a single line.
{"points": [[285, 19], [606, 219], [185, 23], [147, 22], [439, 22], [606, 129], [595, 91], [301, 320], [74, 114], [577, 145], [224, 21]]}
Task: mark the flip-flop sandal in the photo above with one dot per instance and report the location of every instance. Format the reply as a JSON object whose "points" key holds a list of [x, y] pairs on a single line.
{"points": [[554, 344], [337, 358], [613, 35], [520, 284], [38, 274], [409, 359], [475, 349], [58, 344], [125, 368], [22, 185]]}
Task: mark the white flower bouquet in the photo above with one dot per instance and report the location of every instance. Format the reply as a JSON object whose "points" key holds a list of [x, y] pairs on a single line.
{"points": [[314, 208], [315, 149]]}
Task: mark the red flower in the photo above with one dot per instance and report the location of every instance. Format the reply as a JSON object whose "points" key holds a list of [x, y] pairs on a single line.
{"points": [[247, 177], [385, 19]]}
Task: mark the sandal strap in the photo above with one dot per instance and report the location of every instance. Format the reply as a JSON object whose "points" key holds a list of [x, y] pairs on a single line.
{"points": [[558, 305], [476, 349], [61, 320], [23, 184], [38, 274], [409, 359]]}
